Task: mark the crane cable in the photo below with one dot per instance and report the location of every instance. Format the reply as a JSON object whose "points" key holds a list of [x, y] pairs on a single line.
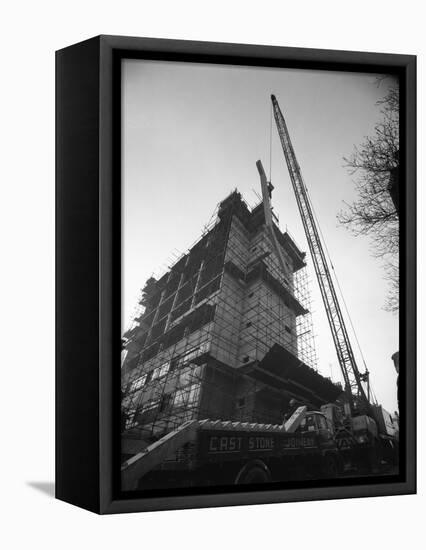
{"points": [[270, 144], [338, 283]]}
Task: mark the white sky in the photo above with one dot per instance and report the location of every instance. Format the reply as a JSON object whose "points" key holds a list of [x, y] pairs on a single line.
{"points": [[193, 132]]}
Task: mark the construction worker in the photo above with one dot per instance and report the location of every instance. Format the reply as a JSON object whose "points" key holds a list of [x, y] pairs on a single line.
{"points": [[395, 359]]}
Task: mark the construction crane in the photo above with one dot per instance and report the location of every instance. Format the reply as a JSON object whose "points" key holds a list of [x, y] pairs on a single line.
{"points": [[353, 378]]}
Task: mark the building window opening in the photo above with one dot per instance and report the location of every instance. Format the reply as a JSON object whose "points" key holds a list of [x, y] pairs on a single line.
{"points": [[138, 383], [148, 406], [179, 398], [160, 371]]}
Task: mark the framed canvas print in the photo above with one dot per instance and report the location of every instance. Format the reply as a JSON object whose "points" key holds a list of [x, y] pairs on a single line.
{"points": [[235, 274]]}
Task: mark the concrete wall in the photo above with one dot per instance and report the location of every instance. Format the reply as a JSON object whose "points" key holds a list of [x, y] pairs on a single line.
{"points": [[217, 394], [227, 324]]}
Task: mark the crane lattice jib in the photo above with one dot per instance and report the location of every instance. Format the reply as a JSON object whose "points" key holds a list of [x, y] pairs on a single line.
{"points": [[351, 374]]}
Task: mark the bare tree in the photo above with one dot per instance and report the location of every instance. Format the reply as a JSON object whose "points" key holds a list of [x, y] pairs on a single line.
{"points": [[374, 212]]}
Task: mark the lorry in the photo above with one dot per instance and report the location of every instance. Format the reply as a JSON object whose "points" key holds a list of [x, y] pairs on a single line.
{"points": [[217, 452], [309, 445]]}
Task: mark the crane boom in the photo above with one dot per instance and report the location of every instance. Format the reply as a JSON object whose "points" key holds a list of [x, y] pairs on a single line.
{"points": [[267, 209], [351, 375]]}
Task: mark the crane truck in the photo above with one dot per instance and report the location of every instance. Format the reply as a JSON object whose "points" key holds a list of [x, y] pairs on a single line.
{"points": [[362, 429], [351, 433]]}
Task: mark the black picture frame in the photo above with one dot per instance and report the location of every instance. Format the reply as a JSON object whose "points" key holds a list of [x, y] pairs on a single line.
{"points": [[88, 268]]}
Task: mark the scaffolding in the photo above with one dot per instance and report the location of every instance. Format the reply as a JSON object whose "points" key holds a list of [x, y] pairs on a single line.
{"points": [[221, 306]]}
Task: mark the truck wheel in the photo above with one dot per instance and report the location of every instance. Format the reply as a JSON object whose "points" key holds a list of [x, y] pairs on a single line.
{"points": [[256, 472], [330, 467]]}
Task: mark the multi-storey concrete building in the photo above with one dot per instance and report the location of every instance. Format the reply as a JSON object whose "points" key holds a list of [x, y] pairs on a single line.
{"points": [[222, 334]]}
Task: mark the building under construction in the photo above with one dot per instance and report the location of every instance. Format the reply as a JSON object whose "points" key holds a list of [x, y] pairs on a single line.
{"points": [[224, 334]]}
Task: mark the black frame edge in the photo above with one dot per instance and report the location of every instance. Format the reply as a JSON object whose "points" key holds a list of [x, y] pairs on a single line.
{"points": [[258, 52], [77, 301], [409, 286]]}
